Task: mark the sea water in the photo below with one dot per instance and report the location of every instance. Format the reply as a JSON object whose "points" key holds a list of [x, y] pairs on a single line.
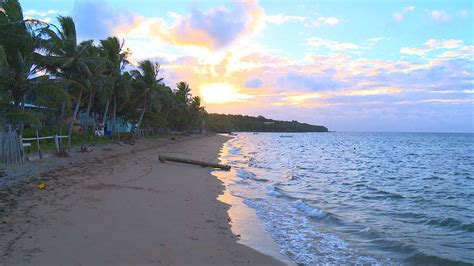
{"points": [[366, 198]]}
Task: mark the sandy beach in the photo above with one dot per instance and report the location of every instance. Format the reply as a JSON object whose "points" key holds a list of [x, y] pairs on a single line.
{"points": [[122, 206]]}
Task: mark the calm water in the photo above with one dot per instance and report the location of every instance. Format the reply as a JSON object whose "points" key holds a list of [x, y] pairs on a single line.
{"points": [[359, 197]]}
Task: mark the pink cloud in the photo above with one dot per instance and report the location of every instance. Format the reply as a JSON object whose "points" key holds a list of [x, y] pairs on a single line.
{"points": [[215, 28]]}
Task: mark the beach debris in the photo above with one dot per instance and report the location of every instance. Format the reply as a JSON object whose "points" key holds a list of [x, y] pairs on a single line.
{"points": [[84, 148], [62, 153], [41, 185], [164, 158]]}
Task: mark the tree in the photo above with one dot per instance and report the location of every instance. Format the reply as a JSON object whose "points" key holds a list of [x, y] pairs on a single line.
{"points": [[197, 113], [145, 87], [20, 44], [119, 86], [69, 61]]}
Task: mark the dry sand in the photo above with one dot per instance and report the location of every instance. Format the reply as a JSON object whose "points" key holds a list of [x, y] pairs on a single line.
{"points": [[122, 206]]}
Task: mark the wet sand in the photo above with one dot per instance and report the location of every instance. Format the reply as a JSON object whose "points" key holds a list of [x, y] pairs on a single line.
{"points": [[122, 206]]}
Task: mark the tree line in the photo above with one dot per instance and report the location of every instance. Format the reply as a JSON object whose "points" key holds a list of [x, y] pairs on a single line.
{"points": [[48, 77], [229, 123]]}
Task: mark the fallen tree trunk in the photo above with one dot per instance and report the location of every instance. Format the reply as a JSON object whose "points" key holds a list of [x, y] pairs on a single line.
{"points": [[164, 158]]}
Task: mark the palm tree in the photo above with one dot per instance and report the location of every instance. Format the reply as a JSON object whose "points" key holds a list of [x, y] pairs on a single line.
{"points": [[119, 84], [21, 48], [146, 86], [183, 100], [167, 103], [183, 94], [70, 62], [196, 113]]}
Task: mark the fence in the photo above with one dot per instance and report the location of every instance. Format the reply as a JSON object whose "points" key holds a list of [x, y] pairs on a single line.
{"points": [[57, 142], [10, 148]]}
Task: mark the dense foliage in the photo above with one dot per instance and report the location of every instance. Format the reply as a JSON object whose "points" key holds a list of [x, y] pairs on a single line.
{"points": [[228, 123], [48, 77]]}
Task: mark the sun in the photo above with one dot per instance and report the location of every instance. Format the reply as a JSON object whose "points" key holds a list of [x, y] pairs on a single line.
{"points": [[221, 93]]}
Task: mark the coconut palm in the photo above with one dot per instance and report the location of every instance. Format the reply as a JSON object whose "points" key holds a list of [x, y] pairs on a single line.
{"points": [[70, 61], [21, 50], [183, 94], [145, 87], [119, 85], [197, 113]]}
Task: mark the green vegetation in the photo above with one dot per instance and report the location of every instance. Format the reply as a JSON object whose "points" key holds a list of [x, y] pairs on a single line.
{"points": [[228, 123], [51, 82]]}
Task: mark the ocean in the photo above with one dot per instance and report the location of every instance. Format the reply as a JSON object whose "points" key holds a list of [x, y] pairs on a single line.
{"points": [[364, 198]]}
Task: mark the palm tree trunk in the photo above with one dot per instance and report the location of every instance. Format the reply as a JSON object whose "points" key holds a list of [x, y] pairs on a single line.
{"points": [[141, 117], [165, 118], [104, 118], [61, 118], [89, 105], [114, 113], [22, 124], [71, 124]]}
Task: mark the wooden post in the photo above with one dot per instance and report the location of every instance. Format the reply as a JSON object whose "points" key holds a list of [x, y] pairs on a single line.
{"points": [[69, 143], [38, 144], [22, 150], [56, 143]]}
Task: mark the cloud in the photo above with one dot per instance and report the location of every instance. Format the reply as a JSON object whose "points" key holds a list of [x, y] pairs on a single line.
{"points": [[376, 39], [337, 86], [36, 13], [331, 45], [253, 83], [308, 22], [41, 15], [331, 21], [215, 28], [463, 13], [413, 51], [432, 45], [443, 44], [282, 18], [399, 16], [312, 82], [96, 19], [439, 16]]}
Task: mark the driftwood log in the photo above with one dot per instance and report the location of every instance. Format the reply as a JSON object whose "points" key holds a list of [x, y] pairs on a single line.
{"points": [[164, 158]]}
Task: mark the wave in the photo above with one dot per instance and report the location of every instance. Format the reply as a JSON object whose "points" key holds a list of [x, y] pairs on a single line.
{"points": [[272, 191], [249, 175], [379, 193], [451, 223], [310, 211]]}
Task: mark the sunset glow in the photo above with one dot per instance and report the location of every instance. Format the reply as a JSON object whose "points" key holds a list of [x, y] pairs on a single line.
{"points": [[339, 63], [221, 93]]}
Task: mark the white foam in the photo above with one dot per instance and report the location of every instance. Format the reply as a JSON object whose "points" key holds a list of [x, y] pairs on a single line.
{"points": [[310, 211], [271, 191], [249, 175]]}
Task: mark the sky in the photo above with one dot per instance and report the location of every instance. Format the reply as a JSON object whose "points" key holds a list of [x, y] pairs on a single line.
{"points": [[402, 66]]}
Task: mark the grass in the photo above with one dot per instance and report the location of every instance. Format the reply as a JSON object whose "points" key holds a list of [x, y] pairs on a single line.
{"points": [[48, 146]]}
